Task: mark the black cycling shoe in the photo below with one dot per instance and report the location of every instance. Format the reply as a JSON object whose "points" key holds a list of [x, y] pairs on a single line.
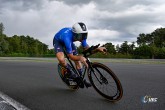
{"points": [[87, 83], [79, 82], [70, 74]]}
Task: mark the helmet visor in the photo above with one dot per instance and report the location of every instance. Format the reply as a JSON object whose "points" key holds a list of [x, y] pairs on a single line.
{"points": [[82, 36]]}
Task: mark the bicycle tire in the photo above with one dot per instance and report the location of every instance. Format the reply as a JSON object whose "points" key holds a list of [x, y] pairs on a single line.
{"points": [[66, 81], [97, 68]]}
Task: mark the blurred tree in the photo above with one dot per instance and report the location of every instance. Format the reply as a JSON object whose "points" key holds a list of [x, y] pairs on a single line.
{"points": [[117, 48], [110, 48], [143, 51], [124, 48], [141, 40], [1, 28], [4, 45], [155, 40], [131, 48]]}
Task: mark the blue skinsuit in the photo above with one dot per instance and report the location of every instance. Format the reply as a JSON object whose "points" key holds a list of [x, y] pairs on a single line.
{"points": [[64, 38]]}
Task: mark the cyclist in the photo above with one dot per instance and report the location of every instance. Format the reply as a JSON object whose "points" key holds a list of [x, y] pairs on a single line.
{"points": [[65, 38]]}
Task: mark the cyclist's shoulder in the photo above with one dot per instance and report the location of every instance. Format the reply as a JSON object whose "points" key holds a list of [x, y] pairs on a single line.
{"points": [[65, 34], [65, 30]]}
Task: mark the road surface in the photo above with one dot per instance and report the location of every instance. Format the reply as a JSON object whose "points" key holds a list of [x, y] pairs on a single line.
{"points": [[37, 86]]}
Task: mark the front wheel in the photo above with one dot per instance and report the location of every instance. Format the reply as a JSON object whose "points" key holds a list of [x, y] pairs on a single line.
{"points": [[105, 82]]}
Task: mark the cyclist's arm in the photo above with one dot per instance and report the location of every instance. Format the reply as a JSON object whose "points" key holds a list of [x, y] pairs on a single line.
{"points": [[70, 53], [100, 49], [74, 57], [84, 44], [78, 58]]}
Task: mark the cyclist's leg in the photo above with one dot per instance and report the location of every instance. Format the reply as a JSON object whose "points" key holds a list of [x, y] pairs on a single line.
{"points": [[77, 63], [66, 71], [79, 66], [62, 62], [61, 59], [58, 48]]}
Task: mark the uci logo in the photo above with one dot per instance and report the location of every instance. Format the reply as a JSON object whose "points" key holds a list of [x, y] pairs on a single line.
{"points": [[149, 99]]}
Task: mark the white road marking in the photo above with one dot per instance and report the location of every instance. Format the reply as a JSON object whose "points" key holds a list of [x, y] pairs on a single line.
{"points": [[12, 102]]}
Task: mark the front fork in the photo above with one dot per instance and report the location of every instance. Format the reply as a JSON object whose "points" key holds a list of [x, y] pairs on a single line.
{"points": [[91, 70], [101, 79]]}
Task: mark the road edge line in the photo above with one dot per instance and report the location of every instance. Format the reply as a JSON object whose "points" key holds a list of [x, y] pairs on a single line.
{"points": [[12, 102]]}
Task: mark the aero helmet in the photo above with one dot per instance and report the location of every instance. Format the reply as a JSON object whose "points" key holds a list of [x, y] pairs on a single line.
{"points": [[80, 30]]}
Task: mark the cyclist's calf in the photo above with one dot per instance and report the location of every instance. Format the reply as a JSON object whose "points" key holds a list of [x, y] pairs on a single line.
{"points": [[61, 58]]}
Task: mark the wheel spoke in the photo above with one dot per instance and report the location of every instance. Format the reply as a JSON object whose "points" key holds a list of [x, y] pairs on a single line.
{"points": [[105, 83], [105, 89]]}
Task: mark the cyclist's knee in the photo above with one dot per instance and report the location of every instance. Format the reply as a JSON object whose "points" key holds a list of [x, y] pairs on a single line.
{"points": [[61, 58], [78, 64]]}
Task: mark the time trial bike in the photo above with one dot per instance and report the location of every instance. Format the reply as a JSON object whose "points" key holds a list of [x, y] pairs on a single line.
{"points": [[101, 77]]}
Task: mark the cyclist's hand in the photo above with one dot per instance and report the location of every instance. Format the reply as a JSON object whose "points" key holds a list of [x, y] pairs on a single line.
{"points": [[102, 49], [83, 60]]}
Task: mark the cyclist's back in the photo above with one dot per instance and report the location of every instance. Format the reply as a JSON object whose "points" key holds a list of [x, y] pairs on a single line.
{"points": [[66, 38], [64, 35]]}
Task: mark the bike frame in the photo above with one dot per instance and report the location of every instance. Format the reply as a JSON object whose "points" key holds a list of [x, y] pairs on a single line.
{"points": [[88, 62], [75, 70]]}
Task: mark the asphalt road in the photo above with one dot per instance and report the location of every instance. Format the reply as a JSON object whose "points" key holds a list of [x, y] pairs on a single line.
{"points": [[38, 86]]}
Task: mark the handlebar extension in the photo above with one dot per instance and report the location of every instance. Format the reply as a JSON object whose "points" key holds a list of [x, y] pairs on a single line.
{"points": [[89, 50]]}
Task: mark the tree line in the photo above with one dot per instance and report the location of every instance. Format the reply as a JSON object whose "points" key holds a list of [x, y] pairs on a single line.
{"points": [[20, 45], [151, 45]]}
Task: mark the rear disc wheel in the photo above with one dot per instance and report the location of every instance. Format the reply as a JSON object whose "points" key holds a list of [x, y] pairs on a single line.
{"points": [[68, 81]]}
